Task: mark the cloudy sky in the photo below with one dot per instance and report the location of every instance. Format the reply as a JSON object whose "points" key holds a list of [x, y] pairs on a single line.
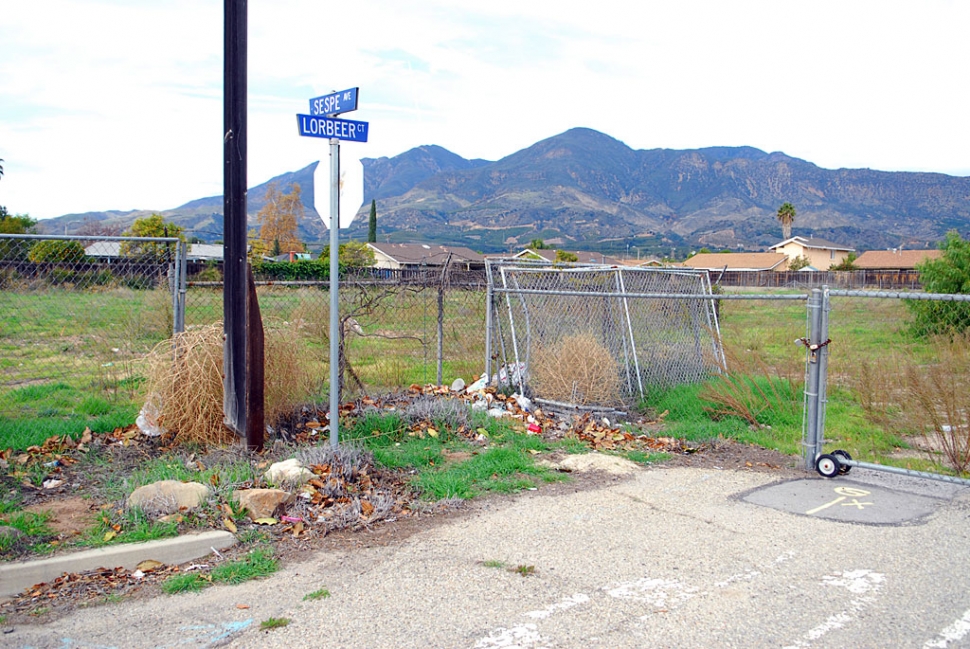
{"points": [[117, 104]]}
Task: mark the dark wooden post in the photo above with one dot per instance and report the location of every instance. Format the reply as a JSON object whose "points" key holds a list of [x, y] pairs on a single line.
{"points": [[255, 418], [235, 287]]}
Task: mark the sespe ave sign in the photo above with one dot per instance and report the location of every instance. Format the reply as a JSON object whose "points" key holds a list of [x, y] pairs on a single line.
{"points": [[334, 103], [331, 127]]}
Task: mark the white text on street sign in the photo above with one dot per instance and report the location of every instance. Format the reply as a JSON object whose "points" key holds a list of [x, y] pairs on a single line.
{"points": [[331, 127], [334, 103]]}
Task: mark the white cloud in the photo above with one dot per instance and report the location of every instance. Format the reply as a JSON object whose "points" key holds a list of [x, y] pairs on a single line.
{"points": [[117, 105]]}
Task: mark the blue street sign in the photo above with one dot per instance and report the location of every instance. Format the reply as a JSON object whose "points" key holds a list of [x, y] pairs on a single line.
{"points": [[334, 103], [331, 127]]}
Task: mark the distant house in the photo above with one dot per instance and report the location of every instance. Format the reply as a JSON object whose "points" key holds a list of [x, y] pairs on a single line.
{"points": [[292, 256], [583, 256], [420, 255], [894, 259], [820, 253], [204, 252], [108, 251], [742, 261]]}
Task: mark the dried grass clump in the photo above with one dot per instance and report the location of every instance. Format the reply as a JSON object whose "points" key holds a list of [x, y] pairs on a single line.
{"points": [[184, 382], [941, 392], [577, 369]]}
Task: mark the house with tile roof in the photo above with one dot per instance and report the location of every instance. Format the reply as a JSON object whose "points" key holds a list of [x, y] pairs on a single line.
{"points": [[583, 256], [821, 254], [396, 256], [741, 261], [894, 259]]}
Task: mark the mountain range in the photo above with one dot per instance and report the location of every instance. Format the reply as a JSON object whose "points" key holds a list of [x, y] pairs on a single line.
{"points": [[585, 190]]}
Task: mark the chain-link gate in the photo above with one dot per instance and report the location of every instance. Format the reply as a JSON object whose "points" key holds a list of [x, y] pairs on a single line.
{"points": [[912, 380]]}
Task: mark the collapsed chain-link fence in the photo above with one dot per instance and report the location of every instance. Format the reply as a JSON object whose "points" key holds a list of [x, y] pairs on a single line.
{"points": [[600, 335]]}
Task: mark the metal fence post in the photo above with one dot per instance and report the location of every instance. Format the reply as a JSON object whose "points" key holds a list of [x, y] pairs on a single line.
{"points": [[810, 426], [823, 365]]}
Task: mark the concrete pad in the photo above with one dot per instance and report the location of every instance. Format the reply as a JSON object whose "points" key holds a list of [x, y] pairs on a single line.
{"points": [[846, 500], [16, 577]]}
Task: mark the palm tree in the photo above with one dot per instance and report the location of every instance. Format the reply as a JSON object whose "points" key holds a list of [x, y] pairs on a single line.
{"points": [[1, 168], [786, 215]]}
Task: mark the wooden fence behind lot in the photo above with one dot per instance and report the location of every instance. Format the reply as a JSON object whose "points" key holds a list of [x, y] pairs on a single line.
{"points": [[856, 279]]}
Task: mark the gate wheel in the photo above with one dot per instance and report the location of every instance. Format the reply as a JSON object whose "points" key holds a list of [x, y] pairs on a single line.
{"points": [[827, 465], [843, 455]]}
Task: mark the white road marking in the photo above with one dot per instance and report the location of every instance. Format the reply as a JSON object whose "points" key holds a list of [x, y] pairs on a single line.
{"points": [[566, 603], [525, 636], [662, 593], [953, 633], [858, 582]]}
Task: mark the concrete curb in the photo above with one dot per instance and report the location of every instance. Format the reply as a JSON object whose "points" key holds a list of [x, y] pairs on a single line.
{"points": [[15, 578]]}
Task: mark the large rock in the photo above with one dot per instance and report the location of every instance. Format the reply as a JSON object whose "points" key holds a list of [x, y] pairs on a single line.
{"points": [[7, 532], [168, 497], [261, 503], [288, 472]]}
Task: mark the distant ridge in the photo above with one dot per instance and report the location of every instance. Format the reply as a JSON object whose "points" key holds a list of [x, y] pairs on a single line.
{"points": [[585, 190]]}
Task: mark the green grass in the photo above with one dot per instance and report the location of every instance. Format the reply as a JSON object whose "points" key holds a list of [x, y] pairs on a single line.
{"points": [[321, 593], [59, 417], [258, 563], [274, 623], [186, 582], [503, 470], [34, 526], [130, 526], [641, 457], [493, 563]]}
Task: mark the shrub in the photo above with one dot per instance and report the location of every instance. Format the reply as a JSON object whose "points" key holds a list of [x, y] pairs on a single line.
{"points": [[53, 250], [949, 274], [577, 369]]}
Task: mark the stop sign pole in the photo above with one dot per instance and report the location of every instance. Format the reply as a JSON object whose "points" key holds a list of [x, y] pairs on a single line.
{"points": [[322, 123]]}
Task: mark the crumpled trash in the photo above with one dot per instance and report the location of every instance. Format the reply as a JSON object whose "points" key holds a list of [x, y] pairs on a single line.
{"points": [[147, 419], [511, 374], [524, 402], [480, 384]]}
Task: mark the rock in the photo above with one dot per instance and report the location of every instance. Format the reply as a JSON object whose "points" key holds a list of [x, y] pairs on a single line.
{"points": [[261, 503], [288, 472], [458, 385], [7, 532], [168, 497]]}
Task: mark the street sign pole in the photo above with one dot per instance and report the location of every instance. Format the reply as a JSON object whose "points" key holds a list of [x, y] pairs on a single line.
{"points": [[323, 122], [334, 298]]}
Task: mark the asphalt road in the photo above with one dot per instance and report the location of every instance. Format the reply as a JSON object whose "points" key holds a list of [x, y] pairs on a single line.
{"points": [[663, 558]]}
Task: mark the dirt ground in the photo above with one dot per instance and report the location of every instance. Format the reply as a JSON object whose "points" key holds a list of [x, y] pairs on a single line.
{"points": [[75, 500]]}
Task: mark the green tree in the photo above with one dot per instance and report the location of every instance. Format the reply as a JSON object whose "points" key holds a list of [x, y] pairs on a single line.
{"points": [[537, 244], [14, 249], [372, 223], [280, 218], [564, 256], [353, 254], [16, 223], [151, 226], [54, 250], [798, 263], [786, 216], [949, 274]]}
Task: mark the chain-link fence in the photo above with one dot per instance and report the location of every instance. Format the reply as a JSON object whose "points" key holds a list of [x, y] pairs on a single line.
{"points": [[76, 314]]}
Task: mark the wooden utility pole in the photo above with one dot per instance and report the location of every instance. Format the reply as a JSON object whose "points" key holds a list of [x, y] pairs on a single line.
{"points": [[237, 404]]}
